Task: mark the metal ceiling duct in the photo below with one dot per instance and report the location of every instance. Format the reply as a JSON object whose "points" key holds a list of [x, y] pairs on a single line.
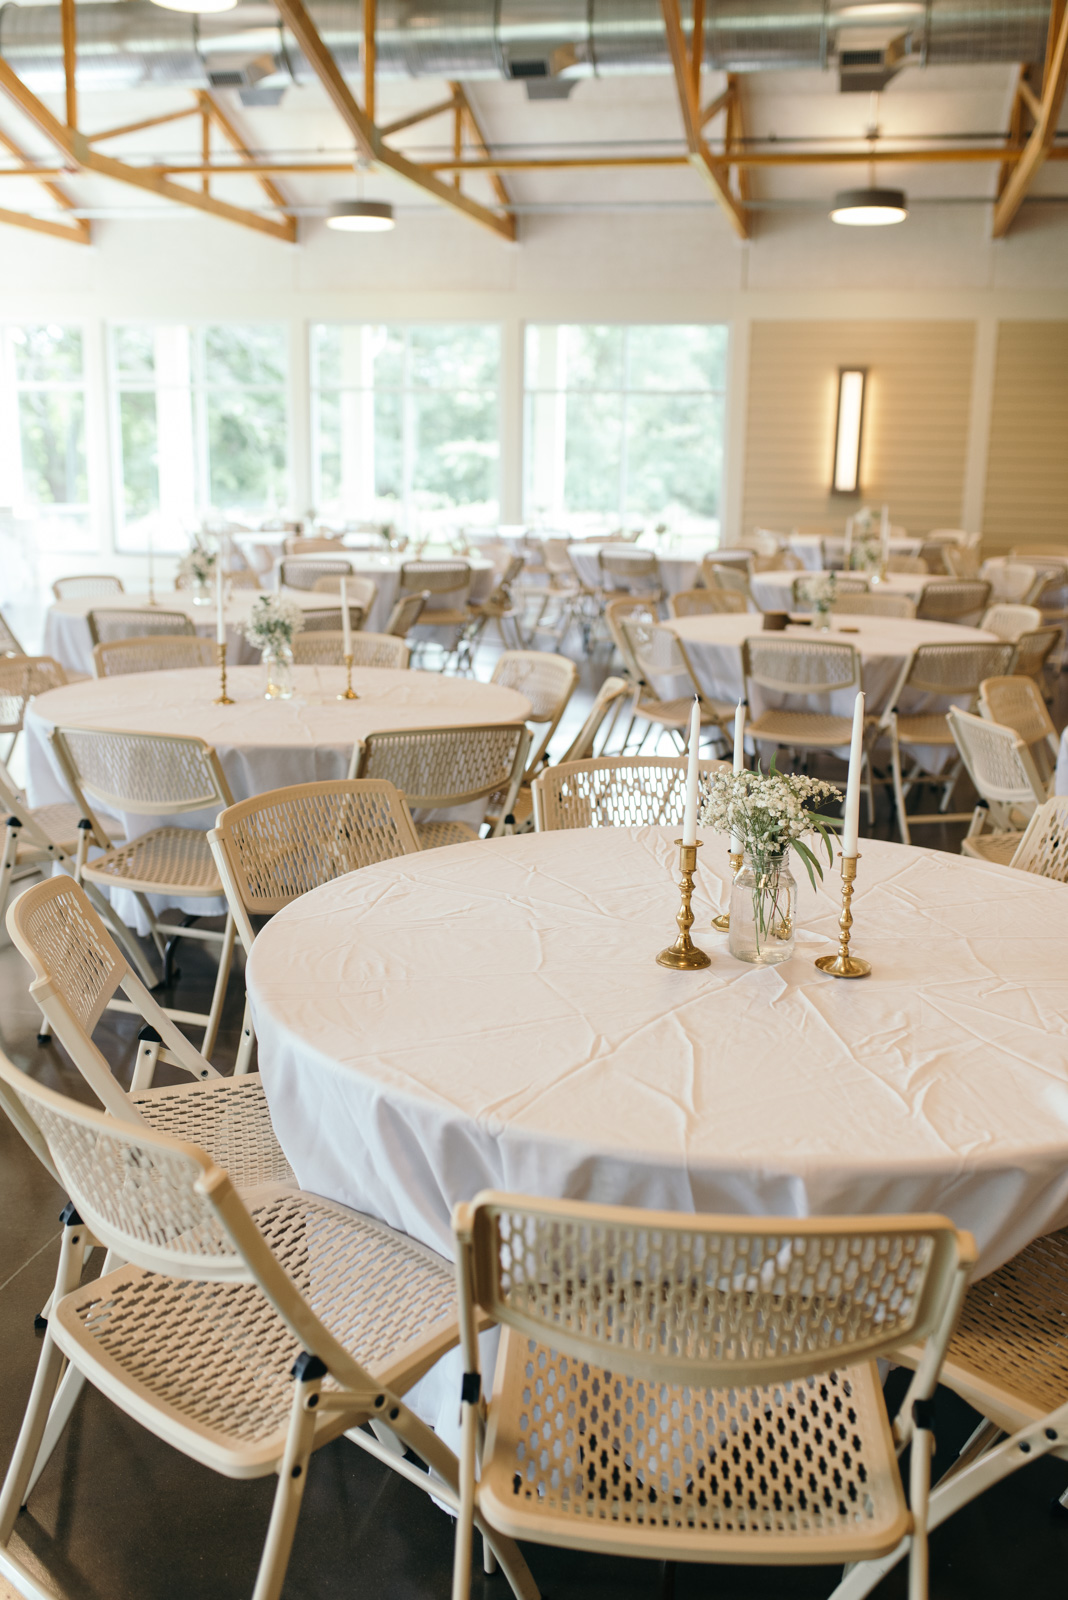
{"points": [[125, 44]]}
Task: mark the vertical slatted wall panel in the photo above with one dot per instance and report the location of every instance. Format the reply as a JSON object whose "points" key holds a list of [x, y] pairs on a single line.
{"points": [[915, 423], [1027, 461]]}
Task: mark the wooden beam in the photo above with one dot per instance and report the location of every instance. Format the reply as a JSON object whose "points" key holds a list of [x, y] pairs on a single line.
{"points": [[147, 122], [697, 45], [1056, 17], [735, 134], [58, 194], [457, 141], [69, 26], [370, 25], [1028, 96], [367, 137], [80, 154], [76, 232], [1016, 130], [205, 148], [479, 141], [210, 106], [418, 116], [714, 107], [713, 172], [1037, 149]]}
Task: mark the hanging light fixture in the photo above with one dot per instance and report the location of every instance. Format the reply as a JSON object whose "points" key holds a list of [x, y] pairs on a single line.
{"points": [[869, 208], [360, 216]]}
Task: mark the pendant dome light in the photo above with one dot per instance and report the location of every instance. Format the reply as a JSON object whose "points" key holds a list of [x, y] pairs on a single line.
{"points": [[360, 216], [869, 208]]}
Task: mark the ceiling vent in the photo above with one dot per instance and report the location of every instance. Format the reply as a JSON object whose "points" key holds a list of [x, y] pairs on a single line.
{"points": [[865, 69]]}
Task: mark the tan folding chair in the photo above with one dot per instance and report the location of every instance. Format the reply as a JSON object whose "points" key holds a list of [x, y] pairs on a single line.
{"points": [[362, 592], [1043, 849], [245, 1337], [86, 585], [906, 564], [438, 769], [298, 574], [671, 1386], [937, 558], [614, 792], [160, 652], [406, 613], [21, 679], [724, 575], [9, 645], [450, 580], [107, 625], [705, 602], [36, 838], [321, 648], [947, 671], [279, 845], [1034, 650], [1016, 702], [548, 682], [1011, 582], [845, 583], [1006, 780], [658, 653], [611, 697], [152, 775], [327, 619], [961, 600], [311, 544], [1009, 621], [635, 572], [873, 605]]}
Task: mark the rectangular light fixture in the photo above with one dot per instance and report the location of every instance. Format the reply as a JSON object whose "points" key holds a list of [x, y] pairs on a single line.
{"points": [[852, 382]]}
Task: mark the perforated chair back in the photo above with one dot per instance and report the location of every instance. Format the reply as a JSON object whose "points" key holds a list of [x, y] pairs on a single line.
{"points": [[937, 558], [279, 845], [873, 605], [406, 612], [736, 1301], [657, 653], [162, 652], [298, 574], [1044, 846], [906, 564], [106, 625], [998, 762], [800, 666], [725, 575], [606, 708], [312, 544], [1011, 582], [953, 669], [1034, 648], [616, 612], [1009, 621], [435, 577], [325, 648], [1016, 702], [844, 584], [952, 599], [444, 767], [705, 602], [614, 792], [21, 678], [548, 682], [9, 645], [327, 619], [85, 585], [146, 774], [362, 592], [630, 568]]}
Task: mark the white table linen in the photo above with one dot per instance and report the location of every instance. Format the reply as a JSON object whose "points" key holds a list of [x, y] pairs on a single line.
{"points": [[808, 547], [774, 590], [1060, 782], [384, 568], [492, 1016], [680, 566]]}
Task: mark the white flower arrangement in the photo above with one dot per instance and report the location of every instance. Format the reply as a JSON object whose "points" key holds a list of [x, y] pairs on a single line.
{"points": [[867, 552], [199, 563], [819, 590], [770, 813], [864, 522], [273, 622]]}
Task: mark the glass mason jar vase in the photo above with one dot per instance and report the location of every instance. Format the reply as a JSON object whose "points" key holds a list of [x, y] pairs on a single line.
{"points": [[823, 617], [202, 594], [278, 662], [763, 911]]}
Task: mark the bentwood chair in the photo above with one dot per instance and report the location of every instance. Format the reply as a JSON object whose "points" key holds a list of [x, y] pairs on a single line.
{"points": [[1006, 780], [443, 768], [658, 654], [126, 623], [705, 602], [87, 585], [151, 775], [36, 838], [1016, 702], [279, 845], [700, 1388], [21, 678], [9, 645], [405, 614], [962, 600], [244, 1336], [325, 648], [298, 574], [614, 792], [154, 653], [948, 672]]}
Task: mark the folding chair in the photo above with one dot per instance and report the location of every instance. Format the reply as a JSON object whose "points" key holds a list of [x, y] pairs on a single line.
{"points": [[406, 613], [606, 708], [1043, 849], [1016, 702], [362, 592], [153, 653], [21, 679], [1011, 582], [1006, 780], [9, 645], [126, 623], [614, 792], [548, 682], [297, 574], [695, 1388], [36, 838], [1034, 650], [326, 648], [449, 579], [705, 602], [86, 584], [953, 600], [1009, 621], [635, 572], [873, 605], [442, 768], [658, 653]]}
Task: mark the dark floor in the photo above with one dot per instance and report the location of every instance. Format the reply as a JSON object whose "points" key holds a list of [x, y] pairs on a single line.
{"points": [[119, 1516]]}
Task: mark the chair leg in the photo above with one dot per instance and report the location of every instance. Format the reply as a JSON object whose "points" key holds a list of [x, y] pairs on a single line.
{"points": [[7, 861], [899, 792], [223, 977], [292, 1476], [124, 936], [248, 1039], [71, 1386], [148, 1048], [461, 1570], [919, 1493]]}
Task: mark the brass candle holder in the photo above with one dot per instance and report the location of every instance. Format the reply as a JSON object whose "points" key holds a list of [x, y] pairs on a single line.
{"points": [[348, 693], [683, 955], [222, 698], [843, 965], [723, 921]]}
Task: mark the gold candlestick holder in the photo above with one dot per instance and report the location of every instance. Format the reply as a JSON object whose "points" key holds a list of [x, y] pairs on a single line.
{"points": [[222, 698], [348, 693], [843, 965], [683, 955], [723, 921]]}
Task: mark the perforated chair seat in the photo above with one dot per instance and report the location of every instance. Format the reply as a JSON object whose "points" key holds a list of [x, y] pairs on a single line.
{"points": [[227, 1117], [676, 713], [165, 859], [61, 825], [208, 1364], [924, 728], [802, 728], [997, 847], [747, 1474], [432, 835], [447, 617]]}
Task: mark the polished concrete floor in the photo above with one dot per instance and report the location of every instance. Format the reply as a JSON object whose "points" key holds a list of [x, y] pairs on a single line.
{"points": [[119, 1516]]}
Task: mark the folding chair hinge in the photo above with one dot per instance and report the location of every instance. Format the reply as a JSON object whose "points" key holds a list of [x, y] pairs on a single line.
{"points": [[85, 825], [923, 1414], [13, 822], [69, 1216], [307, 1368], [470, 1388], [148, 1035]]}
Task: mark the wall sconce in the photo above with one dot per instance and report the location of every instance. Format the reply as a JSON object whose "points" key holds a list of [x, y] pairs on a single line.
{"points": [[852, 382]]}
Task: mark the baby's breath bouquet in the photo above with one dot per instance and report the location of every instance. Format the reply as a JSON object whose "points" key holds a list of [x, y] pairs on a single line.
{"points": [[768, 814], [273, 622], [199, 562], [819, 590]]}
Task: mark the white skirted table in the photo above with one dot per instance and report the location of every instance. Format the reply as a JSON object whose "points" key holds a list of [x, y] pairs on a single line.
{"points": [[383, 567], [680, 564], [492, 1015], [774, 590]]}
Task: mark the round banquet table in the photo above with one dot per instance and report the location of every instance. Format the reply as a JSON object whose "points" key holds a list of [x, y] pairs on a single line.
{"points": [[774, 590], [491, 1015], [67, 637], [680, 565], [383, 566]]}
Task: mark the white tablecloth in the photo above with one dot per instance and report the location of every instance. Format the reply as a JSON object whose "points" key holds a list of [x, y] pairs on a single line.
{"points": [[66, 635], [492, 1015], [773, 591], [1060, 784], [384, 568], [808, 547], [679, 567]]}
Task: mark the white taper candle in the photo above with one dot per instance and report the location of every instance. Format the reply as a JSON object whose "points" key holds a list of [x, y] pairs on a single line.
{"points": [[346, 620], [689, 815], [739, 761], [220, 615], [851, 826]]}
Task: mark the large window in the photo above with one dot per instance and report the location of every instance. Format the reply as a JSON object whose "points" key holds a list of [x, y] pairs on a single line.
{"points": [[201, 426], [44, 470], [624, 421], [406, 423]]}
